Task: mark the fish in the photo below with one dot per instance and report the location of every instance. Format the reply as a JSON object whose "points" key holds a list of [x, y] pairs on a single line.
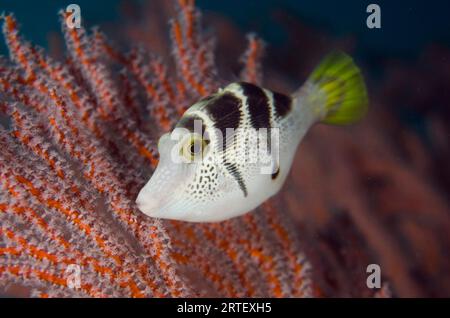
{"points": [[233, 150]]}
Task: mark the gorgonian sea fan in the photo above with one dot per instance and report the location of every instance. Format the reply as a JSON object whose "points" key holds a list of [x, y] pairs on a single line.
{"points": [[78, 141]]}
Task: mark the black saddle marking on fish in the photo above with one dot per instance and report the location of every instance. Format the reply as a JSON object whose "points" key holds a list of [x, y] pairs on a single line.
{"points": [[225, 112], [282, 103], [188, 121], [232, 168], [258, 105]]}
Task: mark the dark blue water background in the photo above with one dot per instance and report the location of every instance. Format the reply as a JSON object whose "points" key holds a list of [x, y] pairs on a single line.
{"points": [[407, 26]]}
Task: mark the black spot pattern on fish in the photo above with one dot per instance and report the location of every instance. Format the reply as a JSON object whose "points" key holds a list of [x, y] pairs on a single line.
{"points": [[258, 105], [282, 104]]}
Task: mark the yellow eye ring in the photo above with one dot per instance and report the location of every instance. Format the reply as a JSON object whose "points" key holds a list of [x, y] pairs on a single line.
{"points": [[193, 147]]}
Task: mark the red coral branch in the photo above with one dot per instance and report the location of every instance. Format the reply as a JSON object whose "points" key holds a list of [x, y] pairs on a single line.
{"points": [[79, 144], [252, 71]]}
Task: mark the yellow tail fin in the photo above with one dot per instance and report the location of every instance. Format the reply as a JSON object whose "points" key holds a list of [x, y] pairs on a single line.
{"points": [[340, 81]]}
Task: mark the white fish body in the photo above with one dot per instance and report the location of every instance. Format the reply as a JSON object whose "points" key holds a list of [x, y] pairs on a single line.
{"points": [[202, 177]]}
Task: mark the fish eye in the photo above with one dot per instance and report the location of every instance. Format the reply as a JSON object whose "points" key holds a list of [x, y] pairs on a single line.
{"points": [[193, 147]]}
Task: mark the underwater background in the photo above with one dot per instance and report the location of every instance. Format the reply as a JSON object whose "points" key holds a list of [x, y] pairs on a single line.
{"points": [[408, 28], [373, 193]]}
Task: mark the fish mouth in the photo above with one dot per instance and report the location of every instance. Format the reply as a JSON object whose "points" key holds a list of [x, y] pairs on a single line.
{"points": [[152, 204], [145, 205], [162, 196], [164, 204]]}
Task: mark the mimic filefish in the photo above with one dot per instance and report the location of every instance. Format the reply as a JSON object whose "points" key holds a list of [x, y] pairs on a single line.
{"points": [[232, 150]]}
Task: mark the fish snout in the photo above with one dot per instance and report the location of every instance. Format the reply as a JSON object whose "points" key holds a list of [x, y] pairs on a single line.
{"points": [[148, 204]]}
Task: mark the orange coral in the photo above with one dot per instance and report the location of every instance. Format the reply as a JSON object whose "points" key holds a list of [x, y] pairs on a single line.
{"points": [[78, 146]]}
